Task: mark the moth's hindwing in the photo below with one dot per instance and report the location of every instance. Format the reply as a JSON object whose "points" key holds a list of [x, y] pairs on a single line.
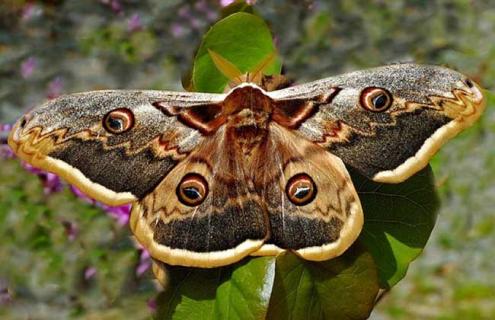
{"points": [[311, 202], [221, 224]]}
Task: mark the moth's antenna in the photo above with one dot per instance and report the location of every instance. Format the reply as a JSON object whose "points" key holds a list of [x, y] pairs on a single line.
{"points": [[256, 75], [259, 70], [227, 68]]}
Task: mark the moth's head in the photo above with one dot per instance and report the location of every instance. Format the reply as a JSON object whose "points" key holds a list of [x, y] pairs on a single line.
{"points": [[401, 87], [112, 117]]}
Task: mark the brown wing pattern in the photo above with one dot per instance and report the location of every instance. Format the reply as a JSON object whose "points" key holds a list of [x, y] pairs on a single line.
{"points": [[247, 204], [329, 221], [214, 178], [228, 224], [68, 136], [428, 106]]}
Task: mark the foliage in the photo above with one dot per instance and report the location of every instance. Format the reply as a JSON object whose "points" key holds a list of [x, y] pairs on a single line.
{"points": [[228, 37], [63, 253], [239, 291], [341, 288], [398, 222]]}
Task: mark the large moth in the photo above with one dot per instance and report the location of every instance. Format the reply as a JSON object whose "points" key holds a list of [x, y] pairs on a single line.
{"points": [[217, 177]]}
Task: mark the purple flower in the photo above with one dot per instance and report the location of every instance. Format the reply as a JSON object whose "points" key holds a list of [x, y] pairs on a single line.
{"points": [[115, 5], [89, 273], [195, 23], [81, 195], [201, 5], [55, 88], [211, 15], [134, 23], [28, 66], [225, 3], [6, 127], [120, 213], [185, 12], [6, 152], [177, 30], [31, 169], [5, 297], [152, 304], [30, 11], [51, 182], [144, 262], [27, 12], [204, 10]]}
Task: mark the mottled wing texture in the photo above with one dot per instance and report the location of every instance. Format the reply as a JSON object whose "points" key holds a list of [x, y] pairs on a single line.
{"points": [[216, 177], [430, 105], [67, 136]]}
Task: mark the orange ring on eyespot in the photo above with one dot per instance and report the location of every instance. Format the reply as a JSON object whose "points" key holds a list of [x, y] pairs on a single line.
{"points": [[192, 190], [301, 189], [375, 99], [118, 121]]}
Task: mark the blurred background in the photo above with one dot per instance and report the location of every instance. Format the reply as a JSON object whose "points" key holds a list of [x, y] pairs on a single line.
{"points": [[62, 256]]}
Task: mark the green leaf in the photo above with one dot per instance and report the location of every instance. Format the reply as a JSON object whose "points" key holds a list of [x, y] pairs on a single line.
{"points": [[239, 291], [341, 288], [399, 219], [244, 40]]}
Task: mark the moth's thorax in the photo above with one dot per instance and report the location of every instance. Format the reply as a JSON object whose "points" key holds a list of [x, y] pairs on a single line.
{"points": [[248, 111], [249, 97]]}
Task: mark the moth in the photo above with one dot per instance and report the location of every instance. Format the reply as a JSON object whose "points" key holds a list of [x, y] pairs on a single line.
{"points": [[213, 178]]}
